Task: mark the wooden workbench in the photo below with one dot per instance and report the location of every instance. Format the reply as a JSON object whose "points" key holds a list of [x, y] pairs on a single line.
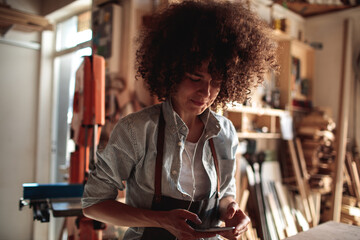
{"points": [[329, 231]]}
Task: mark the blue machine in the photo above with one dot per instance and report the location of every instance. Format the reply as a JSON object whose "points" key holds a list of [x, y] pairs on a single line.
{"points": [[63, 199]]}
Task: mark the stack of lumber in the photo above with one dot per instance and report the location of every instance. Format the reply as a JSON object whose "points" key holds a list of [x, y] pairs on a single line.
{"points": [[316, 132], [283, 207], [350, 209], [284, 211], [308, 165]]}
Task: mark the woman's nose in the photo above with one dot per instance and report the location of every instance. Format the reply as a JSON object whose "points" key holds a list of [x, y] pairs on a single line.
{"points": [[205, 88]]}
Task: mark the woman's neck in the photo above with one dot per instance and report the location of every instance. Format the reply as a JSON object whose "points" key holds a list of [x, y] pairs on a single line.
{"points": [[192, 121], [196, 127]]}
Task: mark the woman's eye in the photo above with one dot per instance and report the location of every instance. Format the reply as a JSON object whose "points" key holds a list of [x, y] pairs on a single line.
{"points": [[194, 79]]}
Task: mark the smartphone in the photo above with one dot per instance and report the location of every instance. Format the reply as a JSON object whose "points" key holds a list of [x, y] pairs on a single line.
{"points": [[215, 229]]}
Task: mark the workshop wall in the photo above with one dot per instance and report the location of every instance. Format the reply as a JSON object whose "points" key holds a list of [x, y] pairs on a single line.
{"points": [[328, 30], [18, 88], [19, 68]]}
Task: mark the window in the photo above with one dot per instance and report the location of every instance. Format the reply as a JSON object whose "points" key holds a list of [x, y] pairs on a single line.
{"points": [[73, 41]]}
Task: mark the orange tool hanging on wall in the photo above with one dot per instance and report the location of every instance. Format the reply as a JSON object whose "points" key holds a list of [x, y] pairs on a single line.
{"points": [[88, 115]]}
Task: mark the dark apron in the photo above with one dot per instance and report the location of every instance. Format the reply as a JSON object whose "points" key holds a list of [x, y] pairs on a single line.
{"points": [[206, 209]]}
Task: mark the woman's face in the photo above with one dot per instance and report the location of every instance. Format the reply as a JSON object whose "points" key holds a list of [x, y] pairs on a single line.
{"points": [[196, 92]]}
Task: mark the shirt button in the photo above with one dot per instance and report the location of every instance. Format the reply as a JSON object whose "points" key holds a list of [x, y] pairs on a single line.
{"points": [[174, 172]]}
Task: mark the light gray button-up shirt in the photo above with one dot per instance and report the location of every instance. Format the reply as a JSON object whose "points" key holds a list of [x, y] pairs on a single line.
{"points": [[131, 153]]}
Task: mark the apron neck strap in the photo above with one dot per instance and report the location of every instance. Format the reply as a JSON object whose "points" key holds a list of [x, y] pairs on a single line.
{"points": [[159, 156], [216, 165]]}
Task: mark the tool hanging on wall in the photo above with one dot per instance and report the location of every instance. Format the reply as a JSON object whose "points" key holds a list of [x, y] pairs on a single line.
{"points": [[88, 117], [63, 199]]}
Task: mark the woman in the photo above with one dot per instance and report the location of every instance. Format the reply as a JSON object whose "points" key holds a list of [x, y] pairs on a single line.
{"points": [[178, 157]]}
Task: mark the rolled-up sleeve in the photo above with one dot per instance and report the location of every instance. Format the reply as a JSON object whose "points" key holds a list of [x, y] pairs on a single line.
{"points": [[114, 165], [228, 159]]}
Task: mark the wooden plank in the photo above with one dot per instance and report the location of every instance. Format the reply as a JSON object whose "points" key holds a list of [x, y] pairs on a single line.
{"points": [[291, 230], [353, 218], [255, 110], [254, 135], [354, 176], [356, 180], [347, 179], [343, 119], [350, 210], [31, 21], [271, 227], [299, 180], [301, 220], [273, 124], [305, 176], [317, 201], [283, 84], [302, 161], [244, 199], [278, 203], [15, 14], [356, 153], [20, 24], [244, 183], [251, 233], [349, 200], [280, 229]]}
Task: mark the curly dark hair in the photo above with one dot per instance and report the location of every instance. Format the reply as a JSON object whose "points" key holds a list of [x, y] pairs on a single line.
{"points": [[179, 38]]}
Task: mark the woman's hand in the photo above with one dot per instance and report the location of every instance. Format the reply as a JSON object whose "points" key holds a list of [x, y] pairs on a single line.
{"points": [[234, 217], [175, 222]]}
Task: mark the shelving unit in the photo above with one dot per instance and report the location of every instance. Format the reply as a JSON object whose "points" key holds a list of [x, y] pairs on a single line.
{"points": [[294, 82], [288, 81], [267, 121], [290, 78]]}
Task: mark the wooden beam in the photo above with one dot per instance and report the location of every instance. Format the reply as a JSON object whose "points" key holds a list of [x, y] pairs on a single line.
{"points": [[343, 119], [305, 177], [300, 181], [26, 21]]}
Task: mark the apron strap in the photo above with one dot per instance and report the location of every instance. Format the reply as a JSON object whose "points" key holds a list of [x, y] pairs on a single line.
{"points": [[216, 164], [159, 159], [159, 156]]}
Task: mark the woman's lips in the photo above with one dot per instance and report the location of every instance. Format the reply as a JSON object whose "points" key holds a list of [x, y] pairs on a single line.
{"points": [[198, 103]]}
